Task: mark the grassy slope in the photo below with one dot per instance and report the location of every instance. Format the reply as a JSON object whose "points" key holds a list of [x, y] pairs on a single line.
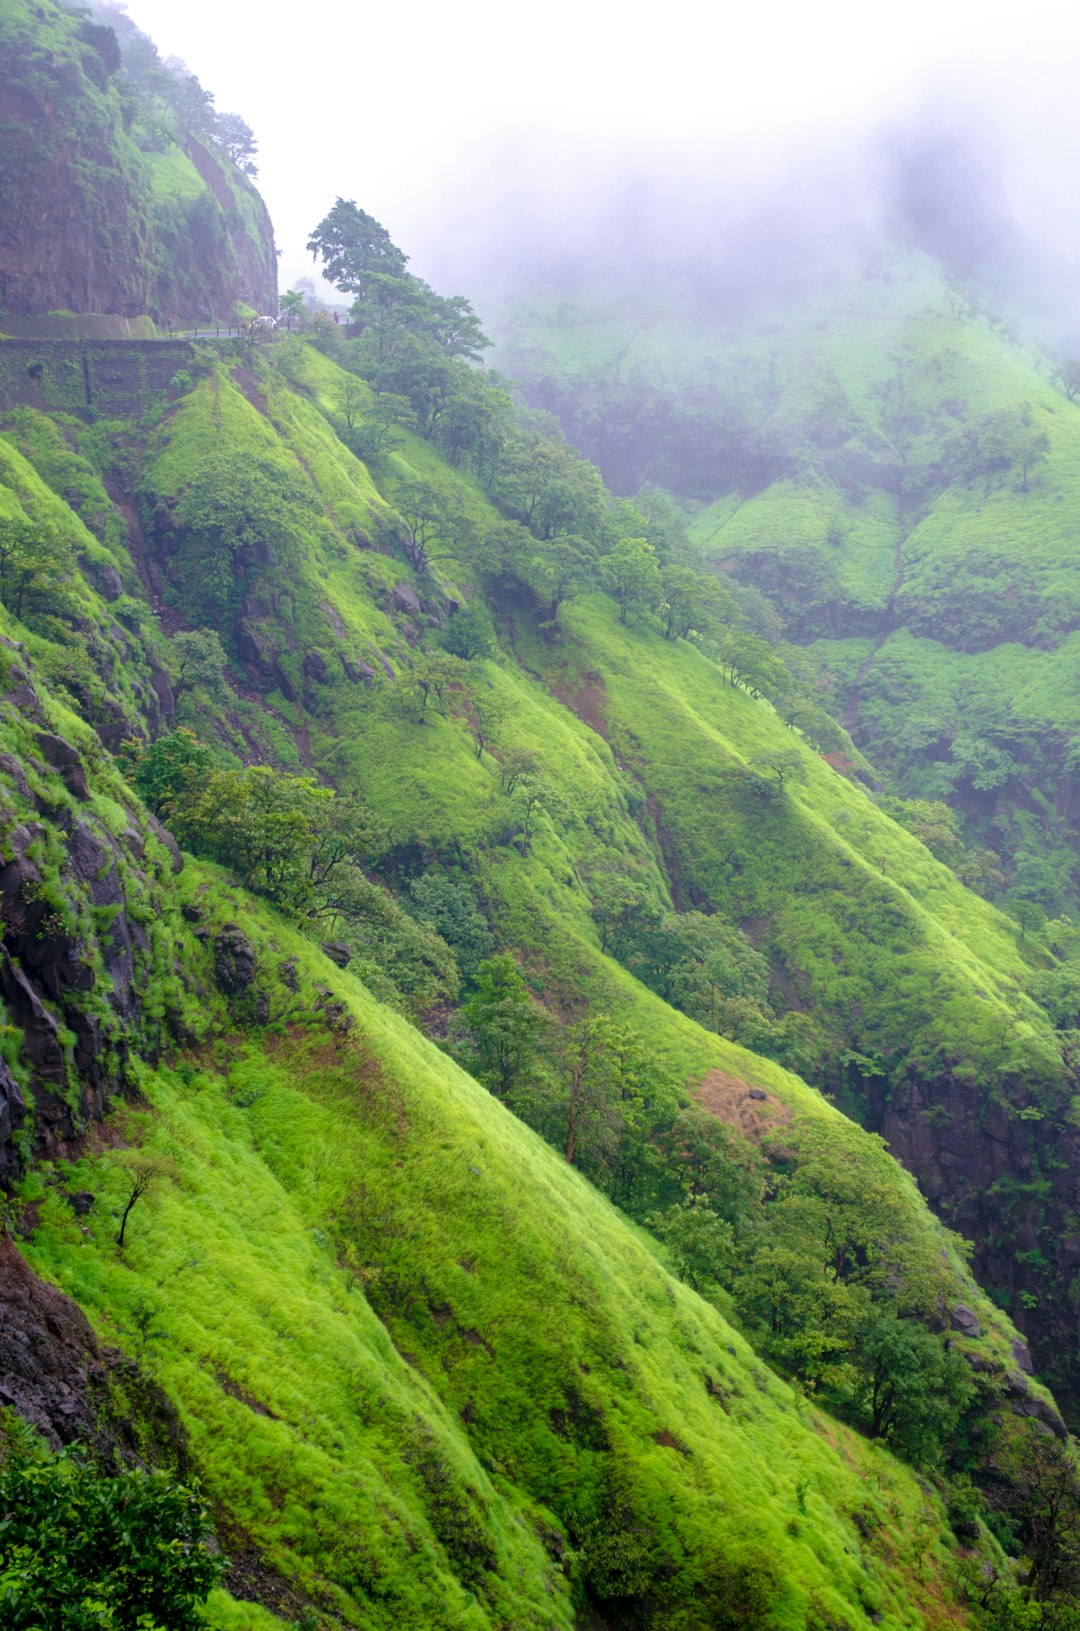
{"points": [[509, 1292], [848, 930], [947, 608], [279, 1132]]}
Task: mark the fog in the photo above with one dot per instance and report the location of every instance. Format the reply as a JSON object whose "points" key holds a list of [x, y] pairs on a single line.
{"points": [[573, 139]]}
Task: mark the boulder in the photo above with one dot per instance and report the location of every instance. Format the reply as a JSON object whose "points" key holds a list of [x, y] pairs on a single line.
{"points": [[1020, 1353], [315, 668], [12, 1105], [164, 836], [963, 1320], [250, 645], [405, 599], [110, 583], [285, 684], [64, 758], [338, 952], [234, 960], [358, 671]]}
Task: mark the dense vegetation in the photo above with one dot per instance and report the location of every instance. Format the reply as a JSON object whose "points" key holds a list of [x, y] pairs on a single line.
{"points": [[883, 472], [454, 1130]]}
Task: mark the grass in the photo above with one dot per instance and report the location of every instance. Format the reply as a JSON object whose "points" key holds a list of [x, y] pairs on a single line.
{"points": [[341, 1288], [430, 1372]]}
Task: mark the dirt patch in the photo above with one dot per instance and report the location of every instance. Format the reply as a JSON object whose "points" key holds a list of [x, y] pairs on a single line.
{"points": [[750, 1109], [668, 1441], [588, 701], [251, 387], [235, 1391], [251, 1578]]}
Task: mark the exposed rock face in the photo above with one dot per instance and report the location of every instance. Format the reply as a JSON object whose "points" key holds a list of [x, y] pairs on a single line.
{"points": [[74, 955], [61, 247], [234, 960], [56, 1376], [963, 1320], [959, 1153], [80, 227]]}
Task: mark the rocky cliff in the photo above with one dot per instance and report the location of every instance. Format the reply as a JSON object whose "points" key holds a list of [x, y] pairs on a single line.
{"points": [[99, 213]]}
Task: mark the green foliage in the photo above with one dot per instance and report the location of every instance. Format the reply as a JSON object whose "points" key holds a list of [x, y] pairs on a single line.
{"points": [[470, 633], [80, 1550], [504, 1024], [910, 1388], [447, 901], [35, 563], [238, 520]]}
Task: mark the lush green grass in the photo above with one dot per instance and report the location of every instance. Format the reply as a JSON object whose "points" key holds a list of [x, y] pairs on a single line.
{"points": [[353, 1221], [378, 1298]]}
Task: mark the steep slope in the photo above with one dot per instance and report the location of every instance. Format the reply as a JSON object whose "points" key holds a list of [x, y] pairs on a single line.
{"points": [[920, 982], [115, 198], [324, 1180], [890, 463], [425, 1372]]}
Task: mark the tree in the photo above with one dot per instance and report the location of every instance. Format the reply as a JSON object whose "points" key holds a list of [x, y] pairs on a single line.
{"points": [[485, 711], [517, 767], [910, 1389], [532, 792], [586, 1077], [1042, 1499], [470, 633], [692, 602], [1032, 450], [700, 1241], [143, 1171], [353, 396], [354, 248], [239, 518], [474, 422], [80, 1551], [35, 561], [427, 520], [549, 487], [1069, 376], [783, 765], [258, 823], [376, 431], [448, 902], [620, 906], [170, 768], [434, 677], [566, 566], [292, 306], [200, 663], [235, 136], [455, 327], [404, 962], [630, 573], [504, 1024]]}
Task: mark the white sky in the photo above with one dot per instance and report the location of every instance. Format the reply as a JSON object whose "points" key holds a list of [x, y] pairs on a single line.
{"points": [[415, 110]]}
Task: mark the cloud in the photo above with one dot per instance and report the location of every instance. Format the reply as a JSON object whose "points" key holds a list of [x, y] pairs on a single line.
{"points": [[477, 125]]}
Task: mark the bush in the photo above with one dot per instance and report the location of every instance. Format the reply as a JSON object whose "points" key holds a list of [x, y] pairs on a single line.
{"points": [[84, 1552]]}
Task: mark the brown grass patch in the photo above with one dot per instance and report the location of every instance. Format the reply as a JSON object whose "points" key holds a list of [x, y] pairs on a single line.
{"points": [[742, 1105]]}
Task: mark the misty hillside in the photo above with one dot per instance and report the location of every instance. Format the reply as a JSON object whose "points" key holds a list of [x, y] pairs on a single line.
{"points": [[887, 462], [515, 1111]]}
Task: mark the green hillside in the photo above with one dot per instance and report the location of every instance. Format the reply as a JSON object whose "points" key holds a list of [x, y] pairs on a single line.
{"points": [[548, 1424], [890, 464], [471, 1018]]}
